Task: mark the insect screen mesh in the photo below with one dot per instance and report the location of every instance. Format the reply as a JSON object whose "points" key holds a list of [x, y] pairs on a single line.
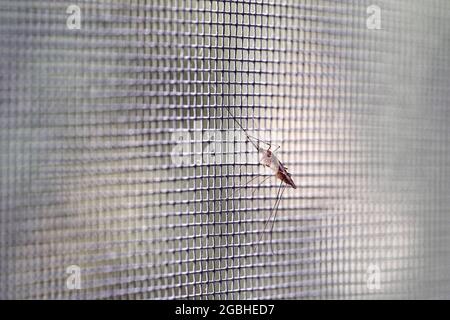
{"points": [[120, 161]]}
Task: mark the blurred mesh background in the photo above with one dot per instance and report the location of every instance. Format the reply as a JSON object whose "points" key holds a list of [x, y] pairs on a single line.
{"points": [[89, 120]]}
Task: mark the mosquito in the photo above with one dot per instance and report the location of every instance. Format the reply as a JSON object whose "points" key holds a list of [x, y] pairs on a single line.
{"points": [[271, 161]]}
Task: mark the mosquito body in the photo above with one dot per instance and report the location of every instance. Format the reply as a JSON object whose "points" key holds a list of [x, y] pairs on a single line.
{"points": [[270, 160]]}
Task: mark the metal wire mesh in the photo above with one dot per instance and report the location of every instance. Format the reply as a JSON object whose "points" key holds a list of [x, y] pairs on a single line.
{"points": [[90, 119]]}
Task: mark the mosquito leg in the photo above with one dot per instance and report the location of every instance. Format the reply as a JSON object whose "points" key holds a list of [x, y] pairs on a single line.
{"points": [[275, 217], [267, 221], [263, 141], [249, 137], [274, 210], [253, 179], [264, 180], [271, 213]]}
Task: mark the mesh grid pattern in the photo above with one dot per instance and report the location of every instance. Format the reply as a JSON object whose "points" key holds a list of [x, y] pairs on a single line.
{"points": [[90, 119]]}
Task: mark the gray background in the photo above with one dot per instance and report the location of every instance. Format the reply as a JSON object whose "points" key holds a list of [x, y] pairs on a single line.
{"points": [[88, 120]]}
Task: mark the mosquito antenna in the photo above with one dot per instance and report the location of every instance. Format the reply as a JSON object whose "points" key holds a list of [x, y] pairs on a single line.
{"points": [[240, 126]]}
